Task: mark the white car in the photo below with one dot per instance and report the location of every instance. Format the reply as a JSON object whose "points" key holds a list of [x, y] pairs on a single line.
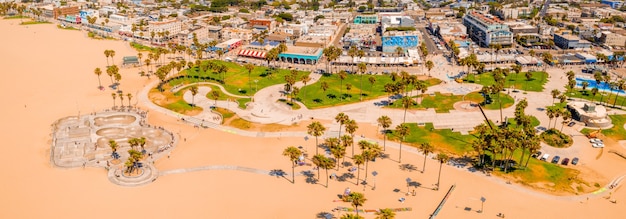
{"points": [[595, 140], [597, 145]]}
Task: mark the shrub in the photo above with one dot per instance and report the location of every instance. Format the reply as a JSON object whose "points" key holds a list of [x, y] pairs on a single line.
{"points": [[556, 138]]}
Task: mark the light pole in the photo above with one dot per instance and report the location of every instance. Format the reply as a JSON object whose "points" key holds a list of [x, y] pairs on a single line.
{"points": [[374, 173], [482, 200], [408, 183]]}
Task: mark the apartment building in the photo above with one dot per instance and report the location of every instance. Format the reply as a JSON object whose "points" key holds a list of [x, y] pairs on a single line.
{"points": [[485, 29]]}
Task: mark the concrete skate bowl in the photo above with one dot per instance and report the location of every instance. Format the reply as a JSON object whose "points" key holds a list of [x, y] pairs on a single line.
{"points": [[111, 132], [154, 137], [116, 119]]}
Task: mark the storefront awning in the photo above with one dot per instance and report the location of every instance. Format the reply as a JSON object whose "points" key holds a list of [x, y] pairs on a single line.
{"points": [[252, 53]]}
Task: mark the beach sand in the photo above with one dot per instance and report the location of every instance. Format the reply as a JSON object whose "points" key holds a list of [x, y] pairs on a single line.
{"points": [[48, 74]]}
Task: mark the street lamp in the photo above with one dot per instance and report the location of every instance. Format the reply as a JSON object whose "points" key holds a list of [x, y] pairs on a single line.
{"points": [[374, 173], [408, 183]]}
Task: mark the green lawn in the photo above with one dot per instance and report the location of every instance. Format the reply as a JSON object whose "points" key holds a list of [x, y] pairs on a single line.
{"points": [[66, 28], [539, 172], [139, 47], [442, 139], [16, 17], [604, 96], [240, 101], [617, 132], [236, 79], [34, 22], [313, 96], [181, 106], [533, 122], [516, 80], [443, 103]]}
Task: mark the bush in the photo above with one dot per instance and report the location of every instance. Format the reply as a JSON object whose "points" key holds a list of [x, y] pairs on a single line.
{"points": [[400, 28], [556, 138]]}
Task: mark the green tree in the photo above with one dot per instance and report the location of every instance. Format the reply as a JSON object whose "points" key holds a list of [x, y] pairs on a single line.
{"points": [[429, 66], [426, 148], [293, 154], [358, 161], [325, 163], [442, 158], [385, 123], [316, 129], [357, 200], [402, 131], [342, 76], [249, 67], [351, 127], [194, 91], [385, 213], [362, 67], [406, 103], [341, 118], [215, 95]]}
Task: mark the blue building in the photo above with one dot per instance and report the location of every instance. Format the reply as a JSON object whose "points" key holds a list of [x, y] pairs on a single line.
{"points": [[301, 55], [613, 4], [403, 39], [366, 19]]}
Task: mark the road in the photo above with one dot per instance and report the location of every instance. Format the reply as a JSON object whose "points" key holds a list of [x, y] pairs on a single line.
{"points": [[430, 44]]}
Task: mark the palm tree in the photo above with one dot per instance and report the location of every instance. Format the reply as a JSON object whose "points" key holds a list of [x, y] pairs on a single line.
{"points": [[112, 54], [426, 148], [121, 96], [362, 67], [372, 80], [194, 91], [385, 213], [129, 96], [305, 79], [594, 91], [293, 154], [358, 161], [399, 51], [316, 129], [338, 150], [385, 122], [619, 85], [402, 131], [584, 86], [406, 103], [341, 118], [249, 67], [342, 75], [107, 53], [369, 152], [429, 66], [350, 216], [324, 85], [351, 127], [325, 163], [555, 93], [442, 158], [566, 116], [357, 199], [98, 72], [114, 146], [114, 96], [352, 52], [215, 95]]}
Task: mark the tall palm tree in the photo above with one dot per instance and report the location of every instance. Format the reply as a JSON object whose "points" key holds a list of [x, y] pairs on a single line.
{"points": [[369, 152], [358, 161], [442, 158], [584, 86], [399, 51], [385, 213], [293, 154], [385, 123], [129, 96], [426, 148], [351, 127], [357, 199], [316, 129], [362, 67], [114, 96], [342, 75], [114, 146], [325, 163], [107, 53], [372, 80], [352, 52], [194, 91], [339, 150], [402, 131], [112, 54], [98, 72], [429, 66], [305, 79], [619, 85], [594, 91], [249, 67], [350, 216], [406, 103], [121, 96], [555, 93], [341, 118]]}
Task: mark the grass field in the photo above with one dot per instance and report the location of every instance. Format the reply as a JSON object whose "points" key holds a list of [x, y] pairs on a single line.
{"points": [[66, 28], [442, 139], [139, 47], [17, 17], [605, 97], [34, 22], [518, 81], [236, 78], [617, 132], [313, 96], [443, 103]]}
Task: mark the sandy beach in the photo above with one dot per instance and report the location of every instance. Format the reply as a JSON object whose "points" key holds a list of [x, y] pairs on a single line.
{"points": [[48, 74]]}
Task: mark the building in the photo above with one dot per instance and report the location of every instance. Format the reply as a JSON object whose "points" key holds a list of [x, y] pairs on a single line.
{"points": [[365, 19], [74, 19], [301, 55], [609, 38], [236, 33], [397, 21], [88, 13], [485, 29], [262, 24], [168, 27], [612, 3], [62, 11], [403, 39], [227, 45], [568, 41], [360, 35], [591, 114], [514, 13]]}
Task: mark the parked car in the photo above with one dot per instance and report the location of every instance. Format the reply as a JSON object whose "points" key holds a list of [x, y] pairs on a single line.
{"points": [[575, 161], [556, 159], [595, 140], [597, 145], [536, 155], [570, 124], [565, 161], [545, 157]]}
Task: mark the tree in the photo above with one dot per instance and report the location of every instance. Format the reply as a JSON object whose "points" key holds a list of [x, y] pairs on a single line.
{"points": [[402, 131], [194, 91], [249, 67], [114, 96], [584, 86], [362, 67], [442, 158], [350, 216], [342, 75], [98, 72], [369, 152], [339, 150], [352, 52], [356, 199], [594, 91], [555, 93], [385, 123], [406, 103], [129, 96], [293, 154], [215, 95], [385, 213], [114, 146], [399, 51], [341, 118], [372, 80], [305, 79], [107, 53], [325, 163], [358, 161], [351, 127], [324, 85], [426, 148], [429, 66], [316, 129]]}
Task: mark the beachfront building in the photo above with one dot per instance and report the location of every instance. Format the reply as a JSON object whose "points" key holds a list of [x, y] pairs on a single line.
{"points": [[485, 29], [228, 33], [227, 45], [366, 19], [612, 3], [609, 38], [169, 28], [88, 13], [397, 21], [257, 50], [568, 41], [74, 19], [185, 37], [591, 114], [360, 35], [301, 55], [262, 24], [403, 39]]}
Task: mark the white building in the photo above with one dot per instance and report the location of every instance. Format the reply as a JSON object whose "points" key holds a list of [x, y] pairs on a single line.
{"points": [[172, 27]]}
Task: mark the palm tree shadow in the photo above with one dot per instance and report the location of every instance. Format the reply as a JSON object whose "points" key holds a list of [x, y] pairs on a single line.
{"points": [[407, 167], [345, 176], [310, 177], [279, 173], [325, 215]]}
